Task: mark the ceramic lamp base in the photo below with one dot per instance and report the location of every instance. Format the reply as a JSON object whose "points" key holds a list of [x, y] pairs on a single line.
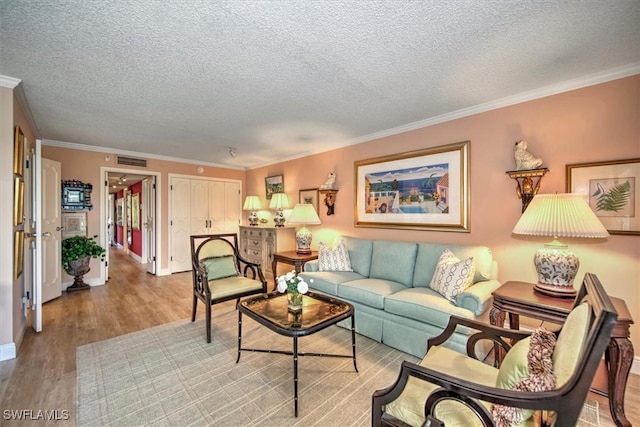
{"points": [[253, 218], [556, 267], [303, 241]]}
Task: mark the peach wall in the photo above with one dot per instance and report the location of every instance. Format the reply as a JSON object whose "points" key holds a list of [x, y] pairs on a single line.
{"points": [[85, 166], [596, 123]]}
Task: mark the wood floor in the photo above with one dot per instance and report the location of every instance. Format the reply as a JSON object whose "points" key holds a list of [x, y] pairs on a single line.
{"points": [[43, 376]]}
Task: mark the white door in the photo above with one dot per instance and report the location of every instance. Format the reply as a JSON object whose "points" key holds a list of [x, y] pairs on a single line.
{"points": [[51, 233], [200, 219], [108, 210], [233, 207], [216, 207], [149, 221], [180, 223]]}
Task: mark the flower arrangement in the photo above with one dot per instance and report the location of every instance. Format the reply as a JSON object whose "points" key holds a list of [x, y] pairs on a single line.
{"points": [[295, 286], [292, 283]]}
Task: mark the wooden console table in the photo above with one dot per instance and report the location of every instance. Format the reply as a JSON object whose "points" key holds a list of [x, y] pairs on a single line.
{"points": [[293, 258], [519, 298]]}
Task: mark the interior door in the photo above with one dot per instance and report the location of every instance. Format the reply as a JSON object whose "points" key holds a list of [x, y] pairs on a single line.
{"points": [[51, 234], [200, 217], [180, 224], [216, 197], [149, 221], [233, 207]]}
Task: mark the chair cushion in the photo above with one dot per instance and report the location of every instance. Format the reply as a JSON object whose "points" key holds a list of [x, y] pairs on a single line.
{"points": [[570, 342], [333, 259], [409, 406], [220, 267], [230, 286], [452, 276], [526, 367]]}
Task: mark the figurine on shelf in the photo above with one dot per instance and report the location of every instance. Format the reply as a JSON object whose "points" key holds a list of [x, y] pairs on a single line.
{"points": [[329, 183], [524, 159], [329, 201]]}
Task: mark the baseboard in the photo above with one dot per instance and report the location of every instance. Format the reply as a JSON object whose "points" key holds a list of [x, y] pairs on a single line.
{"points": [[136, 257], [7, 351], [635, 366], [163, 272]]}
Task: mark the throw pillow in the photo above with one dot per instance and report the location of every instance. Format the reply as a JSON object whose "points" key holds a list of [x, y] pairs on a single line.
{"points": [[336, 259], [452, 276], [528, 366], [220, 267]]}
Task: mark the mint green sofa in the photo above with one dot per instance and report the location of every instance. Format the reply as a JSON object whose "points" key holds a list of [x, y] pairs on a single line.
{"points": [[389, 288]]}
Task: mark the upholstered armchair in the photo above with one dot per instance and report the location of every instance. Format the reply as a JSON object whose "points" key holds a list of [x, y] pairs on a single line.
{"points": [[543, 379], [221, 274]]}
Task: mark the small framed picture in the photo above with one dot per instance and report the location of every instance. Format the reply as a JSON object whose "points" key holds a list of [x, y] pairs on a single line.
{"points": [[74, 224], [310, 195], [612, 189], [273, 184]]}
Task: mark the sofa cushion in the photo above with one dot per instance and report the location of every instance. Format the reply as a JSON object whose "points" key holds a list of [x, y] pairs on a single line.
{"points": [[359, 254], [393, 261], [333, 259], [429, 253], [424, 305], [327, 281], [371, 292], [452, 276]]}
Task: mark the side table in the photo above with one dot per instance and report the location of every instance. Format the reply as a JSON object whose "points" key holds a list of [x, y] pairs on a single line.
{"points": [[519, 298], [293, 258]]}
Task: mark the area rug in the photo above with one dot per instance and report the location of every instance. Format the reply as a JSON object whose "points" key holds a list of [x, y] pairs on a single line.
{"points": [[168, 375]]}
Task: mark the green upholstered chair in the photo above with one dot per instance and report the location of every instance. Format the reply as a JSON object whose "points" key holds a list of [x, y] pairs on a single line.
{"points": [[221, 274], [452, 389]]}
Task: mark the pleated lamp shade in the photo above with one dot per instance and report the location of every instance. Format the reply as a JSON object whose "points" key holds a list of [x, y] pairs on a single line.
{"points": [[558, 215]]}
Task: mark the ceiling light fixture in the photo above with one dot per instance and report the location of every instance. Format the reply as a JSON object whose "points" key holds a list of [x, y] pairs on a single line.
{"points": [[233, 152]]}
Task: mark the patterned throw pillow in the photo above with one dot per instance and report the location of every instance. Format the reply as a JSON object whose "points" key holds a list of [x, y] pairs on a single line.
{"points": [[452, 276], [336, 259], [528, 366]]}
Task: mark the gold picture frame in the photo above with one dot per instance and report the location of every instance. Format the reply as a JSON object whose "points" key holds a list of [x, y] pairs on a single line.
{"points": [[18, 253], [18, 201], [135, 211], [309, 195], [612, 189], [18, 152], [424, 190]]}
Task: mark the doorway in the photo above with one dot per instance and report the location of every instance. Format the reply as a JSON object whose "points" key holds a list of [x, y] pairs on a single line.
{"points": [[130, 216]]}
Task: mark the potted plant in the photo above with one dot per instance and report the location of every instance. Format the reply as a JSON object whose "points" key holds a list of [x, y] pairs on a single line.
{"points": [[77, 252]]}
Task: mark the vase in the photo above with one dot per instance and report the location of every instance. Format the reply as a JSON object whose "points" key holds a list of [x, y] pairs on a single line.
{"points": [[77, 269], [294, 301]]}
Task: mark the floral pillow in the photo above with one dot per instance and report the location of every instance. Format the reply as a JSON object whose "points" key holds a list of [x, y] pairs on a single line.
{"points": [[452, 276], [528, 366], [333, 259]]}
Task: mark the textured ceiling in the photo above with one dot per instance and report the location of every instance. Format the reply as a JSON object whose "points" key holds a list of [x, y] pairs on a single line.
{"points": [[281, 79]]}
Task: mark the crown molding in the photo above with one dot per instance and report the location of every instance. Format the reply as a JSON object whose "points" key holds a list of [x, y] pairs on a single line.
{"points": [[94, 148], [566, 86], [9, 82]]}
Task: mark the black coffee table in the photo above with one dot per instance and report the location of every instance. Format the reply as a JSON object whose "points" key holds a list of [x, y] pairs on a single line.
{"points": [[318, 312]]}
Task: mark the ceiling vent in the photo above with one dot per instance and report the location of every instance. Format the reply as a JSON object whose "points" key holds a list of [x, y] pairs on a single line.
{"points": [[132, 161]]}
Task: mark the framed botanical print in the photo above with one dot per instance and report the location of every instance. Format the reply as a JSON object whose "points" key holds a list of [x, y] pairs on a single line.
{"points": [[612, 189], [74, 224]]}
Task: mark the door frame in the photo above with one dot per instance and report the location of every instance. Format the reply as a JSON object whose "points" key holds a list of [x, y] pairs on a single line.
{"points": [[104, 172]]}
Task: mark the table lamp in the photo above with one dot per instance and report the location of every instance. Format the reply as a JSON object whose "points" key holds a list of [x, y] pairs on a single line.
{"points": [[558, 215], [252, 204], [279, 201], [303, 214]]}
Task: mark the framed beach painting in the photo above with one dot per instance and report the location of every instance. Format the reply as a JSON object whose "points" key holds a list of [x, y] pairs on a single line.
{"points": [[273, 184], [612, 190], [425, 189]]}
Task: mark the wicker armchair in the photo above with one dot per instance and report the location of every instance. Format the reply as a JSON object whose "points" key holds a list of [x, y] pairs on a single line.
{"points": [[221, 274], [450, 388]]}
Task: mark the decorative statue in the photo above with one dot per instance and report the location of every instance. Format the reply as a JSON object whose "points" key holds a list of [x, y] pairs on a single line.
{"points": [[524, 159], [329, 183], [330, 201]]}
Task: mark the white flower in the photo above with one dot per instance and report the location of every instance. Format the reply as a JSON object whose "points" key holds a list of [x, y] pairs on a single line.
{"points": [[290, 275], [303, 287], [282, 285]]}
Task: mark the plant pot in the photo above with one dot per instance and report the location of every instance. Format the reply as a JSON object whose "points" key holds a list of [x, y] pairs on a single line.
{"points": [[77, 269]]}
